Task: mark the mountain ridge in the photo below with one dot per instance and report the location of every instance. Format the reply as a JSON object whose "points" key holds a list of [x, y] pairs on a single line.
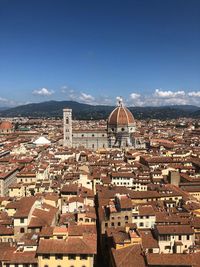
{"points": [[54, 108]]}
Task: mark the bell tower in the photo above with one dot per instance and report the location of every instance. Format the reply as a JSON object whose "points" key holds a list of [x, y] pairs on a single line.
{"points": [[67, 127]]}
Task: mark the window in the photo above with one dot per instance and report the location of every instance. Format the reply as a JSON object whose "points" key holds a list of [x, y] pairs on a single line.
{"points": [[112, 224], [46, 265], [21, 230], [119, 224], [188, 237], [83, 257], [106, 224], [179, 237], [126, 217], [141, 224], [59, 257], [72, 257], [67, 120], [46, 256], [22, 220]]}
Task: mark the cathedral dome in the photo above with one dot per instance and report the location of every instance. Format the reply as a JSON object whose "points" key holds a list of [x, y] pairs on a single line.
{"points": [[6, 125], [121, 116]]}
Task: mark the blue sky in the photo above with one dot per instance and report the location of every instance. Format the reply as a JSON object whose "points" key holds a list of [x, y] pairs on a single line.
{"points": [[92, 51]]}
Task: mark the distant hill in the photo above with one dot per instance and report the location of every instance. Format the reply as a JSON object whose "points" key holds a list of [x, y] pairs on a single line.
{"points": [[85, 111], [196, 114], [3, 108]]}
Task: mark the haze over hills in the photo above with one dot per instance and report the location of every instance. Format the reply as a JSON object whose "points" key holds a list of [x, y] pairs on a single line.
{"points": [[86, 111]]}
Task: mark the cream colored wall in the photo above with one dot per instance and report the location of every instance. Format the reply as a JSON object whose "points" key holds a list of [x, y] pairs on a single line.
{"points": [[16, 192], [50, 202], [162, 244], [7, 238], [195, 194], [18, 223], [26, 180], [147, 222], [52, 262], [84, 181], [10, 212]]}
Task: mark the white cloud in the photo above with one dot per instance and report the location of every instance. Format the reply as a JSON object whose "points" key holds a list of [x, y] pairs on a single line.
{"points": [[168, 94], [43, 92], [3, 100], [165, 97], [87, 98], [195, 94], [64, 89], [136, 99], [135, 96], [9, 102]]}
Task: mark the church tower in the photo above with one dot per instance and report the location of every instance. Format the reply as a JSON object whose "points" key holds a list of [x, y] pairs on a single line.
{"points": [[67, 127]]}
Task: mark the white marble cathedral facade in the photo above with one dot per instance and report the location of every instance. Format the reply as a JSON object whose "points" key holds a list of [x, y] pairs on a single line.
{"points": [[121, 127]]}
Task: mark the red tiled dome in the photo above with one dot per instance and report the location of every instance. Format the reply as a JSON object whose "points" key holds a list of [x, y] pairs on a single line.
{"points": [[6, 125], [121, 116]]}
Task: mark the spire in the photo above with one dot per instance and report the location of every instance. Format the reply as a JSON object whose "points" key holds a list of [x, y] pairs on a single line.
{"points": [[120, 101]]}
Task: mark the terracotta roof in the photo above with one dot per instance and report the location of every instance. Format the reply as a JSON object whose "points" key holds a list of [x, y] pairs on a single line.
{"points": [[121, 116], [169, 259], [148, 241], [23, 257], [69, 246], [47, 231], [174, 229], [79, 230], [5, 125], [128, 257], [6, 231], [146, 210], [24, 207]]}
